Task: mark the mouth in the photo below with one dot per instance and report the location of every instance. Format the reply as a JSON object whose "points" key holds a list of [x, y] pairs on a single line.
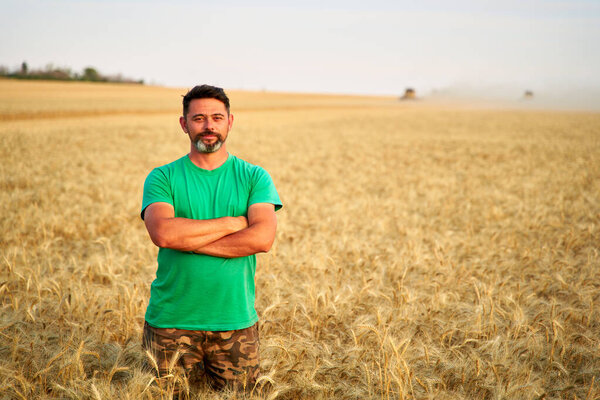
{"points": [[209, 137]]}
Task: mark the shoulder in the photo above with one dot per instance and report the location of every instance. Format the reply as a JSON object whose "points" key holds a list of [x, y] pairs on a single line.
{"points": [[247, 167], [259, 183], [173, 165], [170, 168]]}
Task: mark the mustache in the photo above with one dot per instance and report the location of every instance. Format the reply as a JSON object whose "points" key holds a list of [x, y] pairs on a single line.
{"points": [[206, 133]]}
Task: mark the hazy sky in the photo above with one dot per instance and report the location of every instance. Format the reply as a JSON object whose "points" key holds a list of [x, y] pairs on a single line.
{"points": [[371, 47]]}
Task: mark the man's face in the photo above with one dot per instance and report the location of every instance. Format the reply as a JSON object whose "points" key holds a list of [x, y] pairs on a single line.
{"points": [[207, 124]]}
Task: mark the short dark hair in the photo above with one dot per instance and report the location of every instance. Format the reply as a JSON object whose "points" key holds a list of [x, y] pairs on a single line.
{"points": [[204, 92]]}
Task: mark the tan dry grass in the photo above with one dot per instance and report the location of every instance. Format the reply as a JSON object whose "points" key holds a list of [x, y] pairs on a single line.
{"points": [[422, 252], [76, 99]]}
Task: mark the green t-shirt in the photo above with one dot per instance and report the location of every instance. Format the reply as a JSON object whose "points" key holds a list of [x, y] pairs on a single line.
{"points": [[196, 291]]}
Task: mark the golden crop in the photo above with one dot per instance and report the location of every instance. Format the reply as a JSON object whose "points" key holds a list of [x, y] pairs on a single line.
{"points": [[423, 251]]}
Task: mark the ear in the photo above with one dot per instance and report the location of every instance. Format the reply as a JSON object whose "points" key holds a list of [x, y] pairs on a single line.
{"points": [[183, 124], [230, 121]]}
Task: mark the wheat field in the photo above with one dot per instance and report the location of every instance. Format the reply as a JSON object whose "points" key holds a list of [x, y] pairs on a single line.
{"points": [[424, 251]]}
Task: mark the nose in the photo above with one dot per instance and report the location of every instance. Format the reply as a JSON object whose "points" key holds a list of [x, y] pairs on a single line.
{"points": [[210, 125]]}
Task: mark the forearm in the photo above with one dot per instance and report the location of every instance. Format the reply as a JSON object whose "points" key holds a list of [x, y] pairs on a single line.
{"points": [[185, 234], [252, 240], [240, 244]]}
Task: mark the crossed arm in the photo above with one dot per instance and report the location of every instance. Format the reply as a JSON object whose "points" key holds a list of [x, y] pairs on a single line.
{"points": [[226, 237]]}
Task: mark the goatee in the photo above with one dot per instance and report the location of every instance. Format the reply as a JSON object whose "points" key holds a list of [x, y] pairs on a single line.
{"points": [[208, 148]]}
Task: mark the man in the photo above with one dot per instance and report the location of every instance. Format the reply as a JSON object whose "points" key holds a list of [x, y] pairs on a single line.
{"points": [[209, 212]]}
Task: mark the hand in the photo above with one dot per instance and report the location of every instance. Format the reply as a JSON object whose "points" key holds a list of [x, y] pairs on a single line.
{"points": [[239, 223]]}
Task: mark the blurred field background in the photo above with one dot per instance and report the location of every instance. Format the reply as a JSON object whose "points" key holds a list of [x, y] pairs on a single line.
{"points": [[424, 251]]}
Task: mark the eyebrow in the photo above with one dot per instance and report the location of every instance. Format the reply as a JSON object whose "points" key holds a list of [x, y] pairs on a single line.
{"points": [[204, 115]]}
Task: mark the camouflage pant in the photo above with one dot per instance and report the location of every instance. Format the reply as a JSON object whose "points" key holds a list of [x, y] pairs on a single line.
{"points": [[227, 358]]}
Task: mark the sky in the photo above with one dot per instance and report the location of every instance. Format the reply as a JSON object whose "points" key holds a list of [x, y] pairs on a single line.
{"points": [[377, 47]]}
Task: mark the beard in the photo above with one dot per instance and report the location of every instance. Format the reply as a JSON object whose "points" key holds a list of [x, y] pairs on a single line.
{"points": [[208, 148]]}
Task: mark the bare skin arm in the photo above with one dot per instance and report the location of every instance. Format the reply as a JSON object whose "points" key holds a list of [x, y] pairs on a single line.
{"points": [[258, 237], [185, 234]]}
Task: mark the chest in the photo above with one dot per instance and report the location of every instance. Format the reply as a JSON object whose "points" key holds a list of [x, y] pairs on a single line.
{"points": [[211, 196]]}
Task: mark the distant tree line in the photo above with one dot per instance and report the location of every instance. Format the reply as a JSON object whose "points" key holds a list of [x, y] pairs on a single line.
{"points": [[50, 72]]}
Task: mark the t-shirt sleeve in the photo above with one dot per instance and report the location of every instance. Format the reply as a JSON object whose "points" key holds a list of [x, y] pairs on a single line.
{"points": [[263, 190], [156, 189]]}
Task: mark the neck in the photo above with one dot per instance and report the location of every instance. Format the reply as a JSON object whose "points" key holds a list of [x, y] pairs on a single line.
{"points": [[208, 161]]}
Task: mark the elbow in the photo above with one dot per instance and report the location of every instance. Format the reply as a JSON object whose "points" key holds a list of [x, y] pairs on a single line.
{"points": [[160, 229], [161, 239], [265, 239], [264, 245]]}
